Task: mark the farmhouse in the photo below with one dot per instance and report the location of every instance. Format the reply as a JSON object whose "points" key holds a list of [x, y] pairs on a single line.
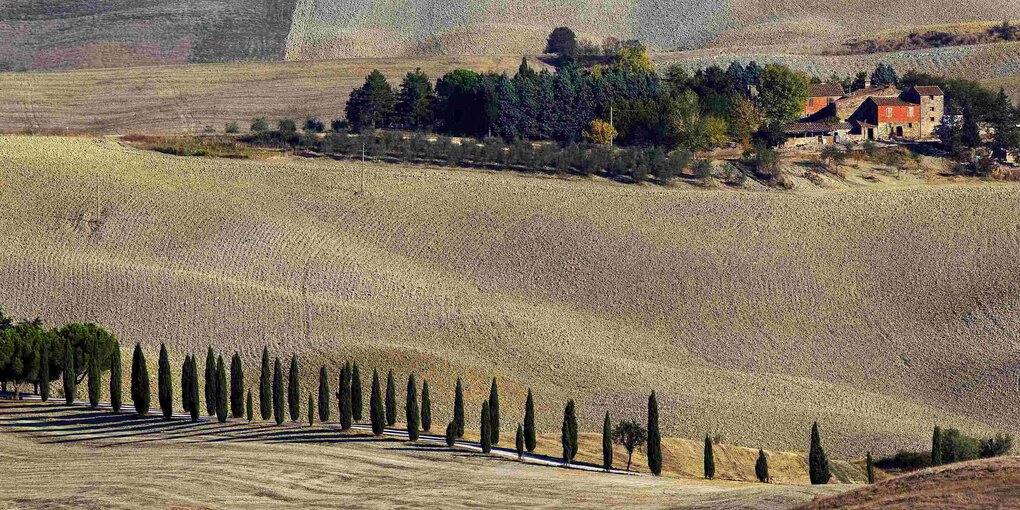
{"points": [[871, 113]]}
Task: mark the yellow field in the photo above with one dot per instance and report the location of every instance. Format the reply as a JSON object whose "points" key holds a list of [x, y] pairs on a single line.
{"points": [[877, 313]]}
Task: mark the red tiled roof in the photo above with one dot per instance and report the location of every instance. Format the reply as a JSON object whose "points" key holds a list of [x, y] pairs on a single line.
{"points": [[815, 127], [928, 90], [825, 90]]}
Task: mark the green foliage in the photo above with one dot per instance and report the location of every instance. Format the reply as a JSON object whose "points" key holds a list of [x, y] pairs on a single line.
{"points": [[630, 435], [996, 446], [222, 394], [957, 447], [906, 461], [486, 428], [761, 467], [189, 388], [210, 382], [277, 391], [607, 443], [458, 409], [265, 386], [44, 372], [165, 384], [936, 446], [323, 394], [562, 41], [568, 433], [869, 467], [494, 411], [116, 379], [95, 382], [782, 93], [375, 408], [248, 407], [87, 340], [416, 102], [140, 392], [654, 448], [70, 388], [314, 125], [294, 390], [883, 75], [236, 386], [709, 459], [311, 410], [519, 442], [391, 399], [259, 125], [371, 105], [356, 399], [345, 399], [232, 128], [426, 407], [451, 434], [529, 423], [411, 410], [818, 462]]}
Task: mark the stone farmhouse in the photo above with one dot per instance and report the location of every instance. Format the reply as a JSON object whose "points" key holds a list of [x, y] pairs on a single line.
{"points": [[832, 115]]}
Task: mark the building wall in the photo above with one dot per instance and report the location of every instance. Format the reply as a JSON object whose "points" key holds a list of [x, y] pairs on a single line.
{"points": [[817, 104]]}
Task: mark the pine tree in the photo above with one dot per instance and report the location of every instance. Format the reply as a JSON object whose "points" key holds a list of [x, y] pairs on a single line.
{"points": [[494, 411], [210, 382], [44, 372], [529, 423], [486, 429], [458, 409], [70, 389], [140, 393], [411, 410], [266, 386], [116, 379], [323, 394], [391, 400], [345, 397], [186, 401], [653, 448], [236, 387], [277, 392], [222, 395], [426, 407], [450, 434], [311, 410], [520, 442], [761, 467], [870, 468], [356, 397], [293, 390], [709, 459], [818, 463], [95, 380], [607, 444], [248, 408], [165, 384], [568, 433], [375, 406], [936, 446]]}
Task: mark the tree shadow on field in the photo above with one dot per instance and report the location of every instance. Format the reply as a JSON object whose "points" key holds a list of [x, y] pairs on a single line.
{"points": [[270, 435]]}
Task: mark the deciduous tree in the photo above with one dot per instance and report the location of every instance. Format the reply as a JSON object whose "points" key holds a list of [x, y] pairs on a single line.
{"points": [[630, 435]]}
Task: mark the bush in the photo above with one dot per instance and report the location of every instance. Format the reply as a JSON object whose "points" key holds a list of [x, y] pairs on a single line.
{"points": [[259, 125], [231, 128], [905, 461], [314, 125]]}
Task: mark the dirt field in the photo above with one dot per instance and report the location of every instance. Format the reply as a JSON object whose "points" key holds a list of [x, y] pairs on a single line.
{"points": [[877, 313], [235, 465]]}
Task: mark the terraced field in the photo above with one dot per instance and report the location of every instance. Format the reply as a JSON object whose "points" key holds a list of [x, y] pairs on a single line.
{"points": [[877, 313]]}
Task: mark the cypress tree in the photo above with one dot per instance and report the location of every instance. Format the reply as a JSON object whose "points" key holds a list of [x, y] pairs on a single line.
{"points": [[345, 397], [140, 393], [426, 407], [529, 423], [44, 371], [818, 463], [94, 381], [323, 394], [607, 444], [653, 448], [236, 387], [709, 459], [356, 398], [375, 406], [391, 399], [311, 410], [936, 446], [568, 433], [69, 375], [248, 408], [186, 401], [450, 434], [870, 467], [116, 379], [278, 392], [222, 394], [411, 409], [761, 467], [494, 411], [519, 443], [196, 408], [210, 382], [165, 384], [265, 387], [293, 390], [458, 409], [486, 432]]}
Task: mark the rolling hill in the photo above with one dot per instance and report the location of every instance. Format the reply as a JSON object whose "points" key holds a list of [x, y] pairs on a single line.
{"points": [[877, 313]]}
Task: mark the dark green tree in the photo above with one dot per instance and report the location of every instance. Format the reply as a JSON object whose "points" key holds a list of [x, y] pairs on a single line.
{"points": [[95, 382], [165, 384], [709, 459], [222, 392], [761, 467], [116, 380], [494, 411], [411, 410], [971, 135], [278, 391], [568, 433], [189, 388], [311, 410], [323, 394], [140, 392], [426, 407], [210, 382], [451, 437], [356, 399], [936, 446], [68, 373], [293, 390], [372, 105], [236, 387], [607, 444], [870, 468], [345, 397], [416, 101], [391, 399], [375, 406], [529, 423], [519, 443], [884, 75], [562, 41], [186, 401], [266, 386], [654, 447], [248, 408], [458, 409], [818, 462], [44, 372], [486, 426], [630, 435]]}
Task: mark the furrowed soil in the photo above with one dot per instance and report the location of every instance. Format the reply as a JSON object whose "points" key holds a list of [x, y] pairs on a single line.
{"points": [[876, 312]]}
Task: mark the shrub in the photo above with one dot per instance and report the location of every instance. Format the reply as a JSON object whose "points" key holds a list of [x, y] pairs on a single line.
{"points": [[259, 125], [232, 128], [314, 125], [906, 461]]}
